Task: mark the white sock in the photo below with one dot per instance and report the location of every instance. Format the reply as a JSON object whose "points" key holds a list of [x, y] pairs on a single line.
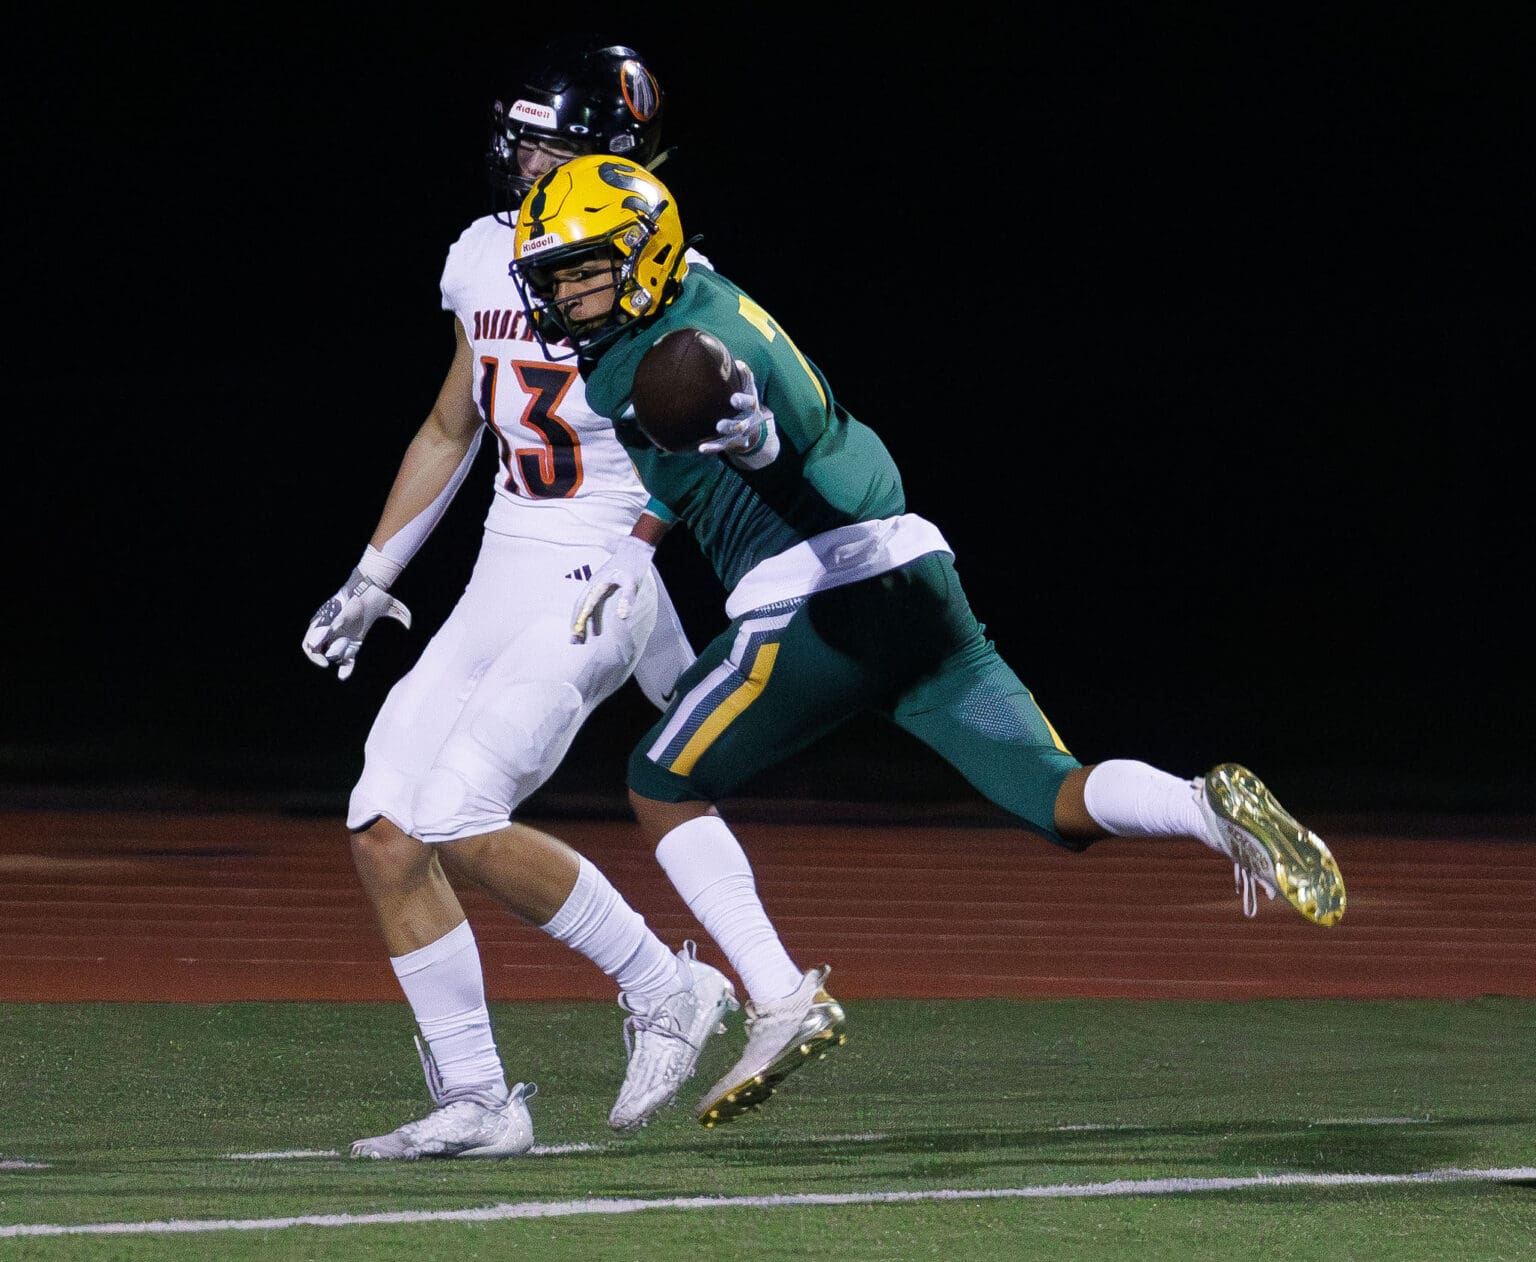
{"points": [[596, 921], [1132, 799], [446, 990], [710, 870]]}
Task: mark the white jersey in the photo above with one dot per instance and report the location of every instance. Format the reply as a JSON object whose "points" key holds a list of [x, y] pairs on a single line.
{"points": [[491, 706], [561, 474]]}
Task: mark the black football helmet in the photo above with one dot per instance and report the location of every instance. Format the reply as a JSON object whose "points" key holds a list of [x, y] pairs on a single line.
{"points": [[576, 99]]}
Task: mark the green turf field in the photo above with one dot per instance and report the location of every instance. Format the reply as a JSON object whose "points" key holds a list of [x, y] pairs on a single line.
{"points": [[987, 1129]]}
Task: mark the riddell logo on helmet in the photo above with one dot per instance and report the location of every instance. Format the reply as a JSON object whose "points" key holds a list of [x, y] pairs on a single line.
{"points": [[532, 112], [540, 243]]}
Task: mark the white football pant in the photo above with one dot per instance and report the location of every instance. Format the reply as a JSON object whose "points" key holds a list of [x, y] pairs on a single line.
{"points": [[498, 695]]}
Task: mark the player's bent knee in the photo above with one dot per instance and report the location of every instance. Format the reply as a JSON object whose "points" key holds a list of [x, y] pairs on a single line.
{"points": [[383, 849], [657, 819]]}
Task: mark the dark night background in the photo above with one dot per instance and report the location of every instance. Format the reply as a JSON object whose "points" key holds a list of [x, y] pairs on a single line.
{"points": [[1191, 327]]}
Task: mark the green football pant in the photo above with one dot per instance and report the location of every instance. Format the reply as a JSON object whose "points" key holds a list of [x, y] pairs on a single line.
{"points": [[904, 645]]}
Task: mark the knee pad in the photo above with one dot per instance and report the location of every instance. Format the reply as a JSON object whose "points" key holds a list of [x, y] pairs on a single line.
{"points": [[447, 807], [500, 752]]}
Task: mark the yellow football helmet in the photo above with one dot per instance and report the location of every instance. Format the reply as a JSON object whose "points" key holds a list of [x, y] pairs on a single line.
{"points": [[602, 218]]}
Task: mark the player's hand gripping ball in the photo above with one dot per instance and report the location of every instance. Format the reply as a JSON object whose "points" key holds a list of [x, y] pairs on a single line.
{"points": [[683, 389]]}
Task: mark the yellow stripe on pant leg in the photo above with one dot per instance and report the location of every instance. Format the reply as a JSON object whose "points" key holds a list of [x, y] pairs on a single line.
{"points": [[726, 712], [1050, 727]]}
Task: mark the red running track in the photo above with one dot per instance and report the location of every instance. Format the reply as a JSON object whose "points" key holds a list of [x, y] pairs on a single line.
{"points": [[227, 907]]}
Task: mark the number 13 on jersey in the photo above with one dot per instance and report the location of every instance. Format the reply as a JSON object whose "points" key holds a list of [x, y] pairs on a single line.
{"points": [[552, 469]]}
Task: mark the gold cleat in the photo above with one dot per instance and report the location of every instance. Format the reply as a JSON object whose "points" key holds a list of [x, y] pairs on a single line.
{"points": [[781, 1037], [1268, 848]]}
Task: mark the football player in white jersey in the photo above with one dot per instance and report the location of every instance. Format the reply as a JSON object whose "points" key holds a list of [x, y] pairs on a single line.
{"points": [[496, 697]]}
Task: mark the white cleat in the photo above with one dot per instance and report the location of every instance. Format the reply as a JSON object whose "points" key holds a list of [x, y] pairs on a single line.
{"points": [[664, 1041], [481, 1123], [781, 1037], [472, 1126]]}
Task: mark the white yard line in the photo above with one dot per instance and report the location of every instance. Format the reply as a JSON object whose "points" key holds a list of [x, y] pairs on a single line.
{"points": [[867, 1137], [599, 1205], [293, 1154]]}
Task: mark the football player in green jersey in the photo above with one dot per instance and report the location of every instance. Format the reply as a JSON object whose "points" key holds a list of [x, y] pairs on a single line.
{"points": [[841, 601]]}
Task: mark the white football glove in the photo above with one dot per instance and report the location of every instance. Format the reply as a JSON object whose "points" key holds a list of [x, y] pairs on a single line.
{"points": [[336, 631], [750, 438], [619, 577]]}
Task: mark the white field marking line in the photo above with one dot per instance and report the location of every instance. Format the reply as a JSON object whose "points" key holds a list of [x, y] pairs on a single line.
{"points": [[571, 1209], [15, 1163], [867, 1137], [1322, 1121], [291, 1154], [1099, 1126], [538, 1150]]}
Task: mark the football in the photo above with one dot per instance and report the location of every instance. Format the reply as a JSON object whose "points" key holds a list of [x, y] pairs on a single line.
{"points": [[683, 388]]}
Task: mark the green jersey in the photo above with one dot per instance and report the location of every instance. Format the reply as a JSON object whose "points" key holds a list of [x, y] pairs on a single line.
{"points": [[831, 471]]}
